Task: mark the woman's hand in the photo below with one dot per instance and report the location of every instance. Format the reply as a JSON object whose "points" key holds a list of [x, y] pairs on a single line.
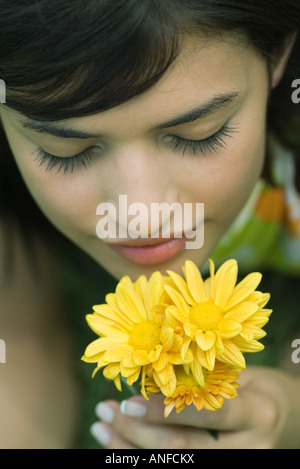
{"points": [[266, 414]]}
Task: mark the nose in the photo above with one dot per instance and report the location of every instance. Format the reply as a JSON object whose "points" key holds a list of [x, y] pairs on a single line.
{"points": [[142, 182]]}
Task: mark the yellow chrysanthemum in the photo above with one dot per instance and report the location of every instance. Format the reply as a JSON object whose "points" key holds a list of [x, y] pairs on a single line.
{"points": [[219, 384], [134, 335], [182, 337], [223, 319]]}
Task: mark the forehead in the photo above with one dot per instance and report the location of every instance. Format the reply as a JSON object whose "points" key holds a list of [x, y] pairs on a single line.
{"points": [[205, 67]]}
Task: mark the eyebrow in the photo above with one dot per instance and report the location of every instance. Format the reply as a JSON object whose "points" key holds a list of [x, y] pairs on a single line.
{"points": [[62, 131], [213, 105], [57, 130]]}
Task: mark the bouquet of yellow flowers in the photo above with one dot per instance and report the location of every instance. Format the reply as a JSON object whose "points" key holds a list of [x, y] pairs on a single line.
{"points": [[183, 337]]}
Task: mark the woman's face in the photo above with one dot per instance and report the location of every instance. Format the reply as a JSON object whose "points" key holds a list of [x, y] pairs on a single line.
{"points": [[197, 137]]}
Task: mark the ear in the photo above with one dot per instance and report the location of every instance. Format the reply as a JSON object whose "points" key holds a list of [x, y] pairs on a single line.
{"points": [[279, 67]]}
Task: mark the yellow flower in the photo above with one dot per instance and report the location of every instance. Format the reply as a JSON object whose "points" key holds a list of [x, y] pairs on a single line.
{"points": [[134, 335], [219, 384], [183, 337], [221, 319]]}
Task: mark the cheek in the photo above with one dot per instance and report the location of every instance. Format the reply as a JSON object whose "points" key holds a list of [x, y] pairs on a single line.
{"points": [[66, 203], [69, 201]]}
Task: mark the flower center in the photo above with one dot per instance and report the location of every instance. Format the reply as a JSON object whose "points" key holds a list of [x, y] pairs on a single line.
{"points": [[145, 336], [205, 315]]}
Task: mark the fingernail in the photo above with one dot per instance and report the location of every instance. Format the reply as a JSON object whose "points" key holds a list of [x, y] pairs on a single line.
{"points": [[104, 412], [133, 409], [100, 434]]}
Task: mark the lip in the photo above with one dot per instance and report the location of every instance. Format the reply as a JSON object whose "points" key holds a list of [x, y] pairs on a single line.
{"points": [[151, 251]]}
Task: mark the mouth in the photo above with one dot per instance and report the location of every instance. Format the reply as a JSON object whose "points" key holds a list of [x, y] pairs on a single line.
{"points": [[149, 251]]}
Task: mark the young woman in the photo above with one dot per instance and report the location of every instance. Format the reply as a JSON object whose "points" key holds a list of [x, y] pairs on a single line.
{"points": [[164, 102]]}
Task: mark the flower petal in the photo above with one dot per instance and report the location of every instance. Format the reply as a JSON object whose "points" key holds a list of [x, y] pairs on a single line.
{"points": [[177, 343], [250, 332], [225, 280], [177, 299], [174, 313], [212, 402], [207, 287], [167, 336], [163, 377], [227, 390], [176, 359], [161, 363], [115, 354], [229, 328], [154, 355], [126, 280], [261, 317], [198, 374], [130, 303], [166, 380], [265, 299], [155, 289], [207, 359], [127, 360], [247, 347], [117, 382], [181, 286], [111, 371], [140, 357], [242, 311], [133, 378], [205, 340], [232, 354], [126, 372], [123, 317], [101, 345], [185, 347], [190, 330], [108, 313], [194, 281], [97, 324], [141, 286], [211, 279], [243, 289], [93, 358]]}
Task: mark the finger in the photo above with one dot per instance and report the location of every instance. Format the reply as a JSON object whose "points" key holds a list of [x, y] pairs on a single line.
{"points": [[135, 432], [236, 414], [108, 438], [128, 433]]}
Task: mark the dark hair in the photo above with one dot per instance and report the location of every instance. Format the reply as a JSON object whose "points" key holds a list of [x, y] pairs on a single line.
{"points": [[62, 59], [69, 58]]}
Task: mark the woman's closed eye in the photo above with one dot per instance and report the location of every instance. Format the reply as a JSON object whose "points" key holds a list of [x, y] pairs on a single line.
{"points": [[68, 164], [210, 144]]}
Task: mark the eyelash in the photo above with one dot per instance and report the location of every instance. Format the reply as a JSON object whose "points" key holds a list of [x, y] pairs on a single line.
{"points": [[208, 145], [68, 164], [65, 164]]}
